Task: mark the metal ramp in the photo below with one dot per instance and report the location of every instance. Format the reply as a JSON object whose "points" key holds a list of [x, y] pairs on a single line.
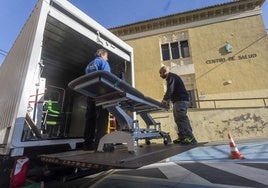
{"points": [[119, 158]]}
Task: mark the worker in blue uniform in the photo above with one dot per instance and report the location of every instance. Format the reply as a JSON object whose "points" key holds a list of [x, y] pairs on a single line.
{"points": [[96, 116]]}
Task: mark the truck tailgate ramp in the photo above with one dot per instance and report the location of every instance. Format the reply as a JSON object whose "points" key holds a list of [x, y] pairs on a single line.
{"points": [[120, 158]]}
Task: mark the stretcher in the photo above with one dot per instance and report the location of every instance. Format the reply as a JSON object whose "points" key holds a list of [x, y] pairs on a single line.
{"points": [[121, 100]]}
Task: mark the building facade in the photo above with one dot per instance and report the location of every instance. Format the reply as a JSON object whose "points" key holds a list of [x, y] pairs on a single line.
{"points": [[220, 52]]}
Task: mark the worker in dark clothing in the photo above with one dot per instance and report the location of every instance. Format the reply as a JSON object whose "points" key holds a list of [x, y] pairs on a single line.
{"points": [[96, 116], [178, 95]]}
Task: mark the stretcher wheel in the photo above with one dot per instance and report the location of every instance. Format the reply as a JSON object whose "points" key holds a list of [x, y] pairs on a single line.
{"points": [[148, 142], [167, 139]]}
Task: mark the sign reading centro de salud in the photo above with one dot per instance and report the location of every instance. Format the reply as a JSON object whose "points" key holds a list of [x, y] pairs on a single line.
{"points": [[232, 58]]}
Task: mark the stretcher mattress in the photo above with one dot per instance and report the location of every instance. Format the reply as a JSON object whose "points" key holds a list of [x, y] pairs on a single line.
{"points": [[105, 86]]}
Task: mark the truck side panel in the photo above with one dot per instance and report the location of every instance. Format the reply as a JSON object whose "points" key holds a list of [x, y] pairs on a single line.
{"points": [[18, 70]]}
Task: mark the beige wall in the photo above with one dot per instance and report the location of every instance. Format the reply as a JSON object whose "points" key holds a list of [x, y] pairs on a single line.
{"points": [[147, 64], [248, 77], [244, 76], [214, 125], [247, 37]]}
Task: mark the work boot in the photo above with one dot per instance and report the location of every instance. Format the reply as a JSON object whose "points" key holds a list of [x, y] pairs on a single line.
{"points": [[188, 141]]}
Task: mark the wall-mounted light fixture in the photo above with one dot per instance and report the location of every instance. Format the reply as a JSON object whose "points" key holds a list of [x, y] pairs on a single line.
{"points": [[228, 47]]}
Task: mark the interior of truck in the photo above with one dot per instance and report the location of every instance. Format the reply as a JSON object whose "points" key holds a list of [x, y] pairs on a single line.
{"points": [[65, 54]]}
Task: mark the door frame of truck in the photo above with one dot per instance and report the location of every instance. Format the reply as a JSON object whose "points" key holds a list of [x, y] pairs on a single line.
{"points": [[31, 58]]}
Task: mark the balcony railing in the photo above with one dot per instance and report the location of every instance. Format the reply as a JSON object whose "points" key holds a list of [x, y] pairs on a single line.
{"points": [[230, 103]]}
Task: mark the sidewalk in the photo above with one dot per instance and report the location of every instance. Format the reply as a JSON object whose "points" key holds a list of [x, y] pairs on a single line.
{"points": [[254, 150]]}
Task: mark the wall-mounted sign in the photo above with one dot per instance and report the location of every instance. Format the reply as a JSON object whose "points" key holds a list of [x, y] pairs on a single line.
{"points": [[232, 58]]}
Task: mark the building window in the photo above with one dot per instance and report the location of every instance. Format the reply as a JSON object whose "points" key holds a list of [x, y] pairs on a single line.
{"points": [[184, 49], [175, 50], [165, 52]]}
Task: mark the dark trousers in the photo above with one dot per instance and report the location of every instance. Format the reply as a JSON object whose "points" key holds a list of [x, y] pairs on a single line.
{"points": [[182, 120], [96, 122]]}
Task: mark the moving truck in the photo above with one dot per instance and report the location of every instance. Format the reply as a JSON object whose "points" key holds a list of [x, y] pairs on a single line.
{"points": [[41, 118], [53, 48]]}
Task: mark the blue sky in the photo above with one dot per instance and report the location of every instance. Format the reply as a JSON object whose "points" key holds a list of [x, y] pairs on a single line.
{"points": [[109, 13]]}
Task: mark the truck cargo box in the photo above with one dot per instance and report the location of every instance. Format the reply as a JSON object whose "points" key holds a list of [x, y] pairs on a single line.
{"points": [[53, 48], [43, 99]]}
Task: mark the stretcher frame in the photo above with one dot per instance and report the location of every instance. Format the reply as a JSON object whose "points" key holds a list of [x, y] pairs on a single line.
{"points": [[121, 100]]}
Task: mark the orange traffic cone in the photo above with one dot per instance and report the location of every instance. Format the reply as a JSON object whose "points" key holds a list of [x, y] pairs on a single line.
{"points": [[234, 151]]}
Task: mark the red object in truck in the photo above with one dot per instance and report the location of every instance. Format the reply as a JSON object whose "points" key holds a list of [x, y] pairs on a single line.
{"points": [[19, 172]]}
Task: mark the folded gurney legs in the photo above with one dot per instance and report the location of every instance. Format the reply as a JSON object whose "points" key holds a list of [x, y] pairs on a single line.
{"points": [[132, 132]]}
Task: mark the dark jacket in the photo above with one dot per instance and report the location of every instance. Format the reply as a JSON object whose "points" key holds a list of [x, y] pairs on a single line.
{"points": [[176, 90]]}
